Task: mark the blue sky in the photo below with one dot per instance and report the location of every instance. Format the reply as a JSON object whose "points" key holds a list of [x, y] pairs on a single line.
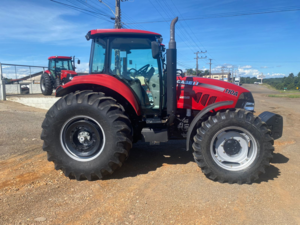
{"points": [[33, 30]]}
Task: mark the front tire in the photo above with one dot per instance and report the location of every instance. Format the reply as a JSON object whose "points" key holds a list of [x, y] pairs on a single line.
{"points": [[86, 135], [46, 84], [58, 82], [233, 146]]}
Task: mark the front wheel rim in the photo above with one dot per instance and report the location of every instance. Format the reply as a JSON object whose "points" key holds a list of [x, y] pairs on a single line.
{"points": [[233, 148], [82, 138]]}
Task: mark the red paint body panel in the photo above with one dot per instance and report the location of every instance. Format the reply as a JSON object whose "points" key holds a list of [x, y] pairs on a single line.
{"points": [[64, 73], [196, 92], [47, 71], [110, 82], [60, 57], [122, 31]]}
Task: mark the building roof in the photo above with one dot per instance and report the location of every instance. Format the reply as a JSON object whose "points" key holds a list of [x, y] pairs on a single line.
{"points": [[105, 32], [60, 57]]}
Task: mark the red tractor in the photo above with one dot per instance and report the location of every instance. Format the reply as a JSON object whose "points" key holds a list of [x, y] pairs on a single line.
{"points": [[61, 69], [88, 133]]}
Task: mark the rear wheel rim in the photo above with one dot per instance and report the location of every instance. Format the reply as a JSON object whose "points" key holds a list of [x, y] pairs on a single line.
{"points": [[234, 148], [43, 84], [82, 138]]}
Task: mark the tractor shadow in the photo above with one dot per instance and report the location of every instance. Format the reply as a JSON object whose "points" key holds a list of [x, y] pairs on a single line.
{"points": [[272, 172], [144, 158]]}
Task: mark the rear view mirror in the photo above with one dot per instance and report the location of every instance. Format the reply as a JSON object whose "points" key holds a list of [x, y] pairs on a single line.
{"points": [[155, 46], [78, 61]]}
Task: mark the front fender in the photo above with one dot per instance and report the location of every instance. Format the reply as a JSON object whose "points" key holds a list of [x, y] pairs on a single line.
{"points": [[101, 80], [200, 115]]}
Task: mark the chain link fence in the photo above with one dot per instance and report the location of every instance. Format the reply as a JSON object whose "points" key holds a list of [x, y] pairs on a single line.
{"points": [[19, 79]]}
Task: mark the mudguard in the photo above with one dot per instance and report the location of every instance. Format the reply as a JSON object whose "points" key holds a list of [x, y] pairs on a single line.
{"points": [[201, 114], [102, 80]]}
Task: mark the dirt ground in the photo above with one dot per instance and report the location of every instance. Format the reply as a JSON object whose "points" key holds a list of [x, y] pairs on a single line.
{"points": [[156, 185]]}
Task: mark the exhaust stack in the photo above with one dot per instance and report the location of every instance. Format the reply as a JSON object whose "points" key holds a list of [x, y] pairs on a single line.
{"points": [[171, 74]]}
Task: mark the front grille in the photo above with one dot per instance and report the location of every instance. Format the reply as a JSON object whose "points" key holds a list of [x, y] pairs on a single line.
{"points": [[197, 97], [212, 100], [204, 99]]}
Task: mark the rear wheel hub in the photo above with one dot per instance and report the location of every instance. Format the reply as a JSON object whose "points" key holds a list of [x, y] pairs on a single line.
{"points": [[232, 147], [82, 138]]}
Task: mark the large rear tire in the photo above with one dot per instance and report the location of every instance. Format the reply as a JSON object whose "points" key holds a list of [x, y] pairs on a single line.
{"points": [[233, 146], [46, 84], [86, 135]]}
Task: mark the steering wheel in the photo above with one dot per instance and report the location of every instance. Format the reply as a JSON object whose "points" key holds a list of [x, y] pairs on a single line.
{"points": [[143, 69], [129, 72], [179, 72]]}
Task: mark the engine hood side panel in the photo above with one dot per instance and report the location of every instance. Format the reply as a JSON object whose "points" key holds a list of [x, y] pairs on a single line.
{"points": [[196, 93]]}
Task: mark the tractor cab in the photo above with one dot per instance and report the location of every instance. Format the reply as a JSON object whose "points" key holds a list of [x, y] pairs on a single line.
{"points": [[127, 56], [59, 63], [61, 69]]}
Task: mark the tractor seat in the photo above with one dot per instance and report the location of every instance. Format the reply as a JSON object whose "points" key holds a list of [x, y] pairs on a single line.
{"points": [[136, 86]]}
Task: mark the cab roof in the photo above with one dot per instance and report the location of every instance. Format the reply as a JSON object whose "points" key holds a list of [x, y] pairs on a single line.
{"points": [[60, 57], [107, 32]]}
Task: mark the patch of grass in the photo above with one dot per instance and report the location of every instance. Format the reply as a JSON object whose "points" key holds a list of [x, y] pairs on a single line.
{"points": [[290, 91], [285, 96], [269, 86]]}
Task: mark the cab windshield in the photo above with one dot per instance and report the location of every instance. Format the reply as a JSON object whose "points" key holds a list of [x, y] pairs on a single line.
{"points": [[60, 64]]}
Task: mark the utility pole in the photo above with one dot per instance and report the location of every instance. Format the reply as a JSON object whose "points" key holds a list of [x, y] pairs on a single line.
{"points": [[118, 15], [209, 67], [197, 57], [118, 25]]}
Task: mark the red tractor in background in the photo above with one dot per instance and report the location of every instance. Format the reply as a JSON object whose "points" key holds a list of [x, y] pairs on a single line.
{"points": [[88, 133], [61, 69]]}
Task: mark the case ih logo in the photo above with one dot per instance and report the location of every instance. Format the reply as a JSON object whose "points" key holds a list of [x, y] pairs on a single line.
{"points": [[231, 92], [194, 83]]}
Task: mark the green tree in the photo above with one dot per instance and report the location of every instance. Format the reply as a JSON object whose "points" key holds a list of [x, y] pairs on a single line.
{"points": [[190, 71]]}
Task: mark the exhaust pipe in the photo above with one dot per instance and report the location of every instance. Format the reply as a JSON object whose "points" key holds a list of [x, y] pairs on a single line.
{"points": [[171, 74]]}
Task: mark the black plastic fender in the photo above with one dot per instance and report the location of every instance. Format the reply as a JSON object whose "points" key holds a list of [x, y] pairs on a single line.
{"points": [[201, 114]]}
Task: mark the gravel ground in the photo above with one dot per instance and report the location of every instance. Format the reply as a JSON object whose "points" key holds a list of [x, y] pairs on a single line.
{"points": [[156, 185]]}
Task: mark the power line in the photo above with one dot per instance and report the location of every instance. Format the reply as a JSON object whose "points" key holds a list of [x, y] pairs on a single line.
{"points": [[89, 12], [189, 29], [221, 16]]}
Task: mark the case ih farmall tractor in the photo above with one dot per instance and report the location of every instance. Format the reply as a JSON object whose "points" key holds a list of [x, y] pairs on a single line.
{"points": [[61, 69], [88, 133]]}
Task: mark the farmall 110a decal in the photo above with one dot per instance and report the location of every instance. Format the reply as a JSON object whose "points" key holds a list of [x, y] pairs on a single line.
{"points": [[231, 92]]}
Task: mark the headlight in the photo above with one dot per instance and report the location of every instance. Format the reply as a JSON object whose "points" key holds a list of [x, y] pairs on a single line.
{"points": [[249, 106], [245, 101]]}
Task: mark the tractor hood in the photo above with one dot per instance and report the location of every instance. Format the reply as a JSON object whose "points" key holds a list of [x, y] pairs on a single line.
{"points": [[196, 93]]}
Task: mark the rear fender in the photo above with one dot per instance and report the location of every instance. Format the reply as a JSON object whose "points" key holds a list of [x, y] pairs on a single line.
{"points": [[200, 115], [101, 82]]}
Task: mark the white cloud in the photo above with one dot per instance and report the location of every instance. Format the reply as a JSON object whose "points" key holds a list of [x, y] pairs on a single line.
{"points": [[40, 23], [82, 68], [264, 67], [246, 67]]}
